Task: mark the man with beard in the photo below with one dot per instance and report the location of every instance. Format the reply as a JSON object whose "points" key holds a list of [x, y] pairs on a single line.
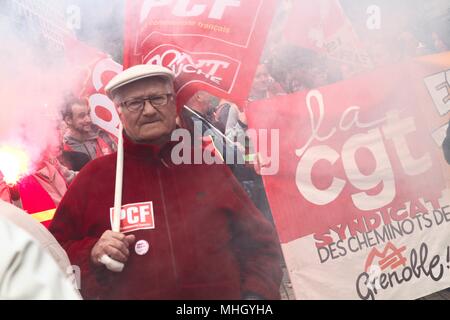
{"points": [[82, 136]]}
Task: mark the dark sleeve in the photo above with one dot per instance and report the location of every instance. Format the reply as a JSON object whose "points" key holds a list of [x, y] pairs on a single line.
{"points": [[67, 228], [75, 160], [256, 244], [446, 145]]}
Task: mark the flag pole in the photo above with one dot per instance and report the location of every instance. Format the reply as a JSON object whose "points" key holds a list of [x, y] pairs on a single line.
{"points": [[110, 263]]}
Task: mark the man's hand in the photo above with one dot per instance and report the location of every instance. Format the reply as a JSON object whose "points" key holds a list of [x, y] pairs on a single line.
{"points": [[113, 244]]}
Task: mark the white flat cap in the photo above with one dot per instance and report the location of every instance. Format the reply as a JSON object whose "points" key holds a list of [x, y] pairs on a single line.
{"points": [[135, 73]]}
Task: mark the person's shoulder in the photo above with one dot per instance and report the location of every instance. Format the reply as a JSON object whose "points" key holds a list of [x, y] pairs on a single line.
{"points": [[13, 234], [23, 261], [69, 139], [102, 162], [97, 172], [19, 217], [37, 231], [102, 133]]}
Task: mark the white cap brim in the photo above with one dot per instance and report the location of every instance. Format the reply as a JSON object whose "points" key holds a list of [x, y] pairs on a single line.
{"points": [[136, 73]]}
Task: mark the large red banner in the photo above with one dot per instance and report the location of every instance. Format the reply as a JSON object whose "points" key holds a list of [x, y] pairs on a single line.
{"points": [[361, 181], [210, 45]]}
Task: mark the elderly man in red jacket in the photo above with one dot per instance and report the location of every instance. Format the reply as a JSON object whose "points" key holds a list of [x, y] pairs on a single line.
{"points": [[186, 231]]}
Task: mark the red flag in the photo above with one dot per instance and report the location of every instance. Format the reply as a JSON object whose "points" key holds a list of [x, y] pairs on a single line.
{"points": [[361, 166], [322, 26], [213, 46]]}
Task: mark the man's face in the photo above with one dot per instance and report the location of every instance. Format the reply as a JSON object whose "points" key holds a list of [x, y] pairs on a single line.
{"points": [[81, 118], [150, 125]]}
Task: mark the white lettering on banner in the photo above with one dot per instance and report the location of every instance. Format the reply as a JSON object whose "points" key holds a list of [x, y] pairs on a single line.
{"points": [[306, 186], [96, 100], [185, 8], [373, 141], [393, 128], [411, 166], [182, 62], [315, 126], [438, 86], [135, 216]]}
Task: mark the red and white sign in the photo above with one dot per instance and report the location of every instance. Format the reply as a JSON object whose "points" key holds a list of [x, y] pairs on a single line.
{"points": [[210, 45], [361, 194], [135, 216]]}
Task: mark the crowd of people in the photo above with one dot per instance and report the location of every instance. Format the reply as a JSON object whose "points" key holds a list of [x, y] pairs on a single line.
{"points": [[186, 231], [404, 32], [233, 216], [193, 241], [78, 142], [33, 264]]}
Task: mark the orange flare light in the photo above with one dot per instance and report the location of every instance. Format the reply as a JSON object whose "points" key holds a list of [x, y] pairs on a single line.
{"points": [[14, 164]]}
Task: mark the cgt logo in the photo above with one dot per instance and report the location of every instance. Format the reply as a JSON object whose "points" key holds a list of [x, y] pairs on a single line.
{"points": [[378, 261], [135, 216], [390, 256], [213, 69]]}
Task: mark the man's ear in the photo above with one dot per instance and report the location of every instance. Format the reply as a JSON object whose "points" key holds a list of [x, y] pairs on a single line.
{"points": [[68, 120], [119, 112]]}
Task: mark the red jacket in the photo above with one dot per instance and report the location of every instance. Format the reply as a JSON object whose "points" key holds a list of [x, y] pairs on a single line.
{"points": [[209, 241]]}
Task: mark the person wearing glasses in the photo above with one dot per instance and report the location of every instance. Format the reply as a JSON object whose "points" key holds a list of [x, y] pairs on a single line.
{"points": [[187, 231]]}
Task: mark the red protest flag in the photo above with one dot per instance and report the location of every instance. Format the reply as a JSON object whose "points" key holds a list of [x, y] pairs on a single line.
{"points": [[361, 174], [322, 26], [213, 46]]}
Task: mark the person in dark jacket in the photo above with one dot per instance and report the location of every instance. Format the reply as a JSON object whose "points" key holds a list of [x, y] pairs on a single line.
{"points": [[186, 231]]}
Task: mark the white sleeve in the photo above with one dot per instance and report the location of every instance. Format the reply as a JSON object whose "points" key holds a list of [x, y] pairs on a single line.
{"points": [[27, 272]]}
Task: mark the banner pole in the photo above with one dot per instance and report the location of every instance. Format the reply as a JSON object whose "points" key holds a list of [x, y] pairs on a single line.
{"points": [[110, 263]]}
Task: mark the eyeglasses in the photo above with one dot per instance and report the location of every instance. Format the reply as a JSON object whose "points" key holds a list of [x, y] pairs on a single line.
{"points": [[157, 101]]}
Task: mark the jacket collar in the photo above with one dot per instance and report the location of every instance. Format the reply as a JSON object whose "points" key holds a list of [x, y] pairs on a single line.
{"points": [[70, 138], [153, 153]]}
